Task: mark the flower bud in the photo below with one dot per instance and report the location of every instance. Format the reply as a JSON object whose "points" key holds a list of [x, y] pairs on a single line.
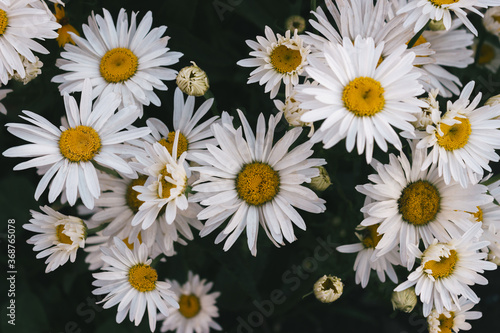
{"points": [[404, 300], [492, 101], [436, 25], [328, 289], [31, 69], [321, 182], [295, 22], [192, 80]]}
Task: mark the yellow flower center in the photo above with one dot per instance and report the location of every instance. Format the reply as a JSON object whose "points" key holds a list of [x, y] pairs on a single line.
{"points": [[79, 144], [496, 18], [285, 60], [439, 3], [168, 143], [446, 324], [478, 215], [4, 21], [142, 277], [257, 183], [444, 267], [118, 65], [421, 40], [419, 203], [371, 239], [131, 245], [486, 55], [189, 305], [61, 236], [455, 136], [364, 97], [131, 195], [166, 187]]}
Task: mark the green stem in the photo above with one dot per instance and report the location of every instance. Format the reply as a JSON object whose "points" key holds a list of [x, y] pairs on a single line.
{"points": [[96, 229], [307, 294], [415, 38], [214, 107], [156, 260], [313, 5]]}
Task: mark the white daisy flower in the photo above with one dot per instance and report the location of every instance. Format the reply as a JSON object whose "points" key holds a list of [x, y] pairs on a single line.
{"points": [[489, 215], [197, 308], [20, 23], [366, 258], [165, 191], [413, 204], [447, 270], [132, 283], [3, 93], [251, 181], [59, 236], [453, 320], [193, 137], [127, 60], [489, 56], [278, 59], [359, 99], [421, 11], [95, 135], [464, 141], [491, 20]]}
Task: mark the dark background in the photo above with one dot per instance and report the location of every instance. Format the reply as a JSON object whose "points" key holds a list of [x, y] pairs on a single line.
{"points": [[213, 34]]}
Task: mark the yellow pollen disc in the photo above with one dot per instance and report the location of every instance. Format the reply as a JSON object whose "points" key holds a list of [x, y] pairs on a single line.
{"points": [[486, 55], [444, 267], [118, 65], [439, 3], [455, 136], [419, 203], [4, 21], [364, 97], [131, 245], [142, 277], [257, 183], [189, 305], [478, 215], [421, 40], [166, 186], [131, 195], [285, 60], [496, 18], [372, 237], [168, 143], [61, 236], [79, 144], [446, 324]]}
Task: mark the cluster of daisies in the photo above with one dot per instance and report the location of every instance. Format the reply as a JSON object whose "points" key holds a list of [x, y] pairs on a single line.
{"points": [[373, 74]]}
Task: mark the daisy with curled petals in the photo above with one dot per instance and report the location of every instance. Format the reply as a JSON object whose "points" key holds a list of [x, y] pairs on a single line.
{"points": [[252, 182], [3, 93], [20, 23], [421, 11], [59, 236], [366, 260], [165, 191], [196, 307], [131, 282], [454, 320], [359, 99], [277, 58], [127, 60], [95, 134], [412, 204], [464, 141], [447, 270]]}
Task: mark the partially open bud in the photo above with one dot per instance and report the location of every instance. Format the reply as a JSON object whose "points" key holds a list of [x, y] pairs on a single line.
{"points": [[491, 20], [295, 22], [328, 288], [404, 300], [436, 25], [32, 70], [192, 80], [492, 101], [321, 182]]}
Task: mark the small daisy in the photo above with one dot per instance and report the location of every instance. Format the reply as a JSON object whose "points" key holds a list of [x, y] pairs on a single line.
{"points": [[421, 11], [20, 23], [277, 58], [127, 60], [197, 308], [366, 258], [59, 236], [252, 182], [359, 99], [132, 283], [193, 137], [464, 141], [447, 270], [95, 135], [453, 320], [413, 204], [3, 93]]}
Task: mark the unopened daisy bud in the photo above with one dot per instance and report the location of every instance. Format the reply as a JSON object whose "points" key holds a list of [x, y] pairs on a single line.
{"points": [[32, 70], [491, 20], [321, 182], [404, 300], [292, 111], [436, 25], [193, 80], [492, 101], [328, 289], [295, 22]]}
